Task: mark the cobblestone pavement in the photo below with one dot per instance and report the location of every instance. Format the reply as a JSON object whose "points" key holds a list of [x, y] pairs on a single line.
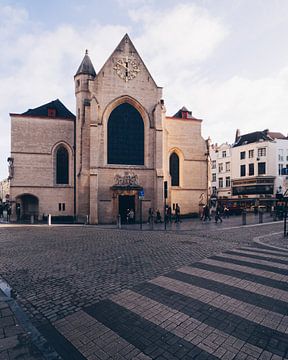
{"points": [[116, 294], [15, 342]]}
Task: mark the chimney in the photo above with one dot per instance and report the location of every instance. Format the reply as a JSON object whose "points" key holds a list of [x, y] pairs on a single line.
{"points": [[237, 136]]}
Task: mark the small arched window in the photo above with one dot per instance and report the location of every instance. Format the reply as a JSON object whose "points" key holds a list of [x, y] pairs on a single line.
{"points": [[62, 166], [174, 169]]}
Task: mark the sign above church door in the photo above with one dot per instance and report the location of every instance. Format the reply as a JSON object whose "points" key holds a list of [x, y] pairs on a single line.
{"points": [[127, 181]]}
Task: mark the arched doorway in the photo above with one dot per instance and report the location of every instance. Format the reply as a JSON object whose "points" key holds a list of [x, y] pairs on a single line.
{"points": [[29, 205]]}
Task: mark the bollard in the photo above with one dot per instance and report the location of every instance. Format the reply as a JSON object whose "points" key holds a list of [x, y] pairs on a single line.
{"points": [[32, 219], [243, 217], [119, 221], [87, 220], [260, 216], [49, 219]]}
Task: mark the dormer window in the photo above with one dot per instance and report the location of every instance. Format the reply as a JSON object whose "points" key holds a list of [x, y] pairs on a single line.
{"points": [[184, 114], [52, 113]]}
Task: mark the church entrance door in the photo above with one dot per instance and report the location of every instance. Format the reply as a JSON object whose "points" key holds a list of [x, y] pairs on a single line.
{"points": [[126, 202], [29, 205]]}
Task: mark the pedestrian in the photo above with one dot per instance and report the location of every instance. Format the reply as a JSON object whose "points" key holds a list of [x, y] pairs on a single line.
{"points": [[218, 214], [226, 212], [169, 214], [150, 216], [206, 213], [127, 216], [177, 214], [9, 211], [131, 216], [18, 211], [158, 216]]}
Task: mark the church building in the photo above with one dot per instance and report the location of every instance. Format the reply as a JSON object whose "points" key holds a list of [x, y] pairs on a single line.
{"points": [[114, 155]]}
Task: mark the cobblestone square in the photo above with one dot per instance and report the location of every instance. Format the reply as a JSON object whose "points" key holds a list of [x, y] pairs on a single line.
{"points": [[100, 293]]}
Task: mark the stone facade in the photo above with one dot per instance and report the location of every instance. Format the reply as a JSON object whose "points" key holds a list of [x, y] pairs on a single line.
{"points": [[102, 188]]}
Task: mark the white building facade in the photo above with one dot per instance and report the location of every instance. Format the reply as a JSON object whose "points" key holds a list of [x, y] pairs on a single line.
{"points": [[258, 164]]}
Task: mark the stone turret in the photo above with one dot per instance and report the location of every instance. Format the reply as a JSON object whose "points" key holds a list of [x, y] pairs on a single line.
{"points": [[85, 75]]}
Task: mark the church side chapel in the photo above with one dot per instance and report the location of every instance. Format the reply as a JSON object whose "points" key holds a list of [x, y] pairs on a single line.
{"points": [[120, 144]]}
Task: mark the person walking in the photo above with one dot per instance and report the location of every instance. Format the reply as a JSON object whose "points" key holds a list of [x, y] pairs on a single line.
{"points": [[206, 213], [218, 214], [169, 215], [150, 216], [158, 216], [177, 214]]}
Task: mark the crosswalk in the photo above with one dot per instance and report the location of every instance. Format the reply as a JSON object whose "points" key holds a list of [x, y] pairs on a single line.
{"points": [[231, 306]]}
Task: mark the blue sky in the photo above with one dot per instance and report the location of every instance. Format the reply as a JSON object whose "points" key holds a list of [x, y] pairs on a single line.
{"points": [[225, 60]]}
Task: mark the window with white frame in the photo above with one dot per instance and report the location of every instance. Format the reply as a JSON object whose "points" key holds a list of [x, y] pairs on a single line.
{"points": [[220, 167], [242, 155], [251, 154], [261, 168], [280, 155], [227, 166], [251, 169], [213, 177], [224, 154], [261, 152], [228, 181], [213, 164], [220, 182], [280, 167], [242, 170]]}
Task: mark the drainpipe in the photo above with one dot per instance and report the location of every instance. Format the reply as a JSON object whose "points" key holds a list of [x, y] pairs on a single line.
{"points": [[75, 177]]}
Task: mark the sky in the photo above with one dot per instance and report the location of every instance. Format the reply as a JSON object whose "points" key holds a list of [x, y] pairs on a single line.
{"points": [[225, 60]]}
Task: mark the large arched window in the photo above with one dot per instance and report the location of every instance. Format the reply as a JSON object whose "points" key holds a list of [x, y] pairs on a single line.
{"points": [[174, 169], [62, 166], [125, 136]]}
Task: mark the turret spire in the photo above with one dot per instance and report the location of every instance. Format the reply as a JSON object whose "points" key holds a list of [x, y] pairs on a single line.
{"points": [[86, 66]]}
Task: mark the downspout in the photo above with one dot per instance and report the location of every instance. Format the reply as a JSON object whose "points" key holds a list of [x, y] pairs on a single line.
{"points": [[75, 177]]}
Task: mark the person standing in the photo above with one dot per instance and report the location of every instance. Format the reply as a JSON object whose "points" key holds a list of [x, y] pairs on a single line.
{"points": [[177, 214], [18, 211], [9, 211], [150, 216]]}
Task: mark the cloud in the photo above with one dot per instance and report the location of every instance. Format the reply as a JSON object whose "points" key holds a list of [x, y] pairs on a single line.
{"points": [[178, 45], [176, 39], [40, 65]]}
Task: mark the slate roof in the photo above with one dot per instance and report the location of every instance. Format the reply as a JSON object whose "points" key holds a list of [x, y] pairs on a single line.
{"points": [[86, 66], [179, 113], [277, 135], [252, 138], [42, 111]]}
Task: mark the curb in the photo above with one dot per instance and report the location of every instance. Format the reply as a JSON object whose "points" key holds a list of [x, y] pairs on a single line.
{"points": [[258, 241]]}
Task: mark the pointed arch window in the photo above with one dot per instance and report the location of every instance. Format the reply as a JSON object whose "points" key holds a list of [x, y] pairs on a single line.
{"points": [[174, 169], [62, 166], [125, 136]]}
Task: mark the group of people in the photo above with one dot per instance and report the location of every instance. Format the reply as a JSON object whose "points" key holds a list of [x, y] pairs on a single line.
{"points": [[220, 212], [5, 209], [156, 215], [130, 216]]}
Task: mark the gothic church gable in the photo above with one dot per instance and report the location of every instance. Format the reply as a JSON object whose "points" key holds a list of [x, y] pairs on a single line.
{"points": [[125, 74]]}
